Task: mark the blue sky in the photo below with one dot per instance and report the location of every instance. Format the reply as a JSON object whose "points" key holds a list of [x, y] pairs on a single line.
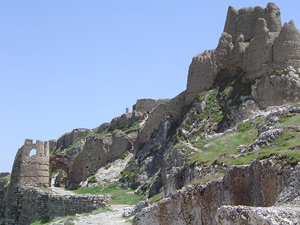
{"points": [[76, 64]]}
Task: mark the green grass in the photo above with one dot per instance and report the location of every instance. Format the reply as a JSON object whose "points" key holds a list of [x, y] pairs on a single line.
{"points": [[289, 121], [221, 147], [118, 195], [42, 221], [155, 198], [124, 155], [209, 177], [287, 144], [92, 180], [134, 126], [251, 123]]}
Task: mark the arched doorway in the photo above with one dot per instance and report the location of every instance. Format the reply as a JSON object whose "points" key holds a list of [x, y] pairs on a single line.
{"points": [[60, 167]]}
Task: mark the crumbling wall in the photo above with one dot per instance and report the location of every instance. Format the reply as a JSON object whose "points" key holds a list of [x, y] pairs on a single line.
{"points": [[62, 162], [253, 41], [97, 152], [146, 104], [31, 170], [37, 204], [242, 21], [70, 138], [171, 110]]}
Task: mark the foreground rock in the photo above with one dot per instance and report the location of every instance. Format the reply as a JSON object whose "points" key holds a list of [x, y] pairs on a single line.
{"points": [[258, 184]]}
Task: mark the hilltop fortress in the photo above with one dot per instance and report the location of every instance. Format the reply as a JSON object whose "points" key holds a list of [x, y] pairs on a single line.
{"points": [[254, 47]]}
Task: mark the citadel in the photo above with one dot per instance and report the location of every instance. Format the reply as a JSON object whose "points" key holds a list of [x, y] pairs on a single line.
{"points": [[248, 85]]}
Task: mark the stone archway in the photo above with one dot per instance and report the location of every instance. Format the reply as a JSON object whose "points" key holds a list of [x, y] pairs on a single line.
{"points": [[60, 162]]}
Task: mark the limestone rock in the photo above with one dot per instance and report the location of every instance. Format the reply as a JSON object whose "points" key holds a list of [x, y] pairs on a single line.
{"points": [[277, 89], [236, 215], [258, 184], [136, 209]]}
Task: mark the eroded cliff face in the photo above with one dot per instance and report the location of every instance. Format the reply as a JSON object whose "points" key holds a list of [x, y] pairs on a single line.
{"points": [[258, 184]]}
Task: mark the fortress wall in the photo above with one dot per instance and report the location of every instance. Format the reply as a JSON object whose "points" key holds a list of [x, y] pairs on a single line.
{"points": [[171, 110], [31, 170], [97, 152], [287, 47], [70, 138], [38, 204], [201, 75], [259, 51], [146, 104], [243, 21]]}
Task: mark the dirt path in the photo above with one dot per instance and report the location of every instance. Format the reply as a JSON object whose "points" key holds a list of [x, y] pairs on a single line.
{"points": [[110, 216], [61, 191]]}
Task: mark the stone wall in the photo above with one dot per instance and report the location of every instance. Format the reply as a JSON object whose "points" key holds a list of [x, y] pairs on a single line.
{"points": [[37, 204], [146, 104], [258, 184], [170, 110], [253, 41], [243, 21], [67, 139], [97, 152], [31, 170], [125, 120], [2, 193]]}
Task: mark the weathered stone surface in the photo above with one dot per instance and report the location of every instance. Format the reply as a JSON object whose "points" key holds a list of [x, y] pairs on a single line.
{"points": [[97, 152], [136, 209], [126, 120], [290, 196], [102, 128], [243, 21], [277, 89], [37, 204], [255, 42], [258, 184], [287, 47], [110, 173], [31, 170], [146, 105], [236, 215], [70, 138]]}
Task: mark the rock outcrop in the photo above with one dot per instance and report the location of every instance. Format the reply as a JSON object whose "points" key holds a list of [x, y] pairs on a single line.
{"points": [[256, 185], [285, 210]]}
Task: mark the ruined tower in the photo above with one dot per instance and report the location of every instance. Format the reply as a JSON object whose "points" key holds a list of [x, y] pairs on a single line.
{"points": [[31, 165]]}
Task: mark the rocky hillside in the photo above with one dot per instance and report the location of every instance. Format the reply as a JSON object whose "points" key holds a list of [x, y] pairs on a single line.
{"points": [[231, 138]]}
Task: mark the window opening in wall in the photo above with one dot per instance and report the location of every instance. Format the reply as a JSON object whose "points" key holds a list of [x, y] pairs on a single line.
{"points": [[32, 152]]}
